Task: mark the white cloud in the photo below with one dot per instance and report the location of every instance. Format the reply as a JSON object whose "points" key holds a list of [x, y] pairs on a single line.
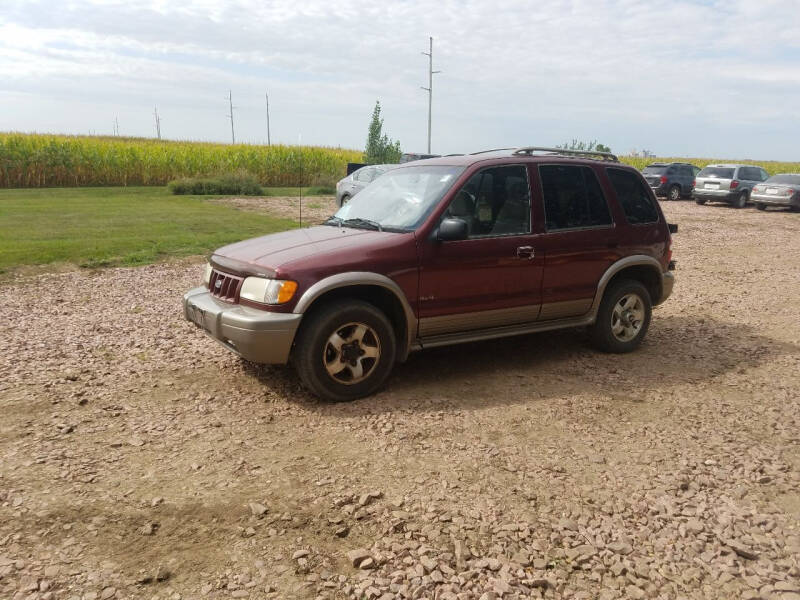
{"points": [[677, 76]]}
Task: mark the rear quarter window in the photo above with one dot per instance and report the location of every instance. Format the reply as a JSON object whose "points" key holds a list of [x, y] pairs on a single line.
{"points": [[633, 198]]}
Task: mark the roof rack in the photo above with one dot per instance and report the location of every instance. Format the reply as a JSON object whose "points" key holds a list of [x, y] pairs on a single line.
{"points": [[529, 150], [490, 150]]}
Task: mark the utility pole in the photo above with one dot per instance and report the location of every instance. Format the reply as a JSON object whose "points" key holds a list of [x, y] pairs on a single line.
{"points": [[230, 116], [158, 122], [429, 89], [269, 141]]}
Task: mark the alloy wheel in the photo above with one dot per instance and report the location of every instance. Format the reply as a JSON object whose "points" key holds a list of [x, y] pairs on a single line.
{"points": [[627, 317], [351, 353]]}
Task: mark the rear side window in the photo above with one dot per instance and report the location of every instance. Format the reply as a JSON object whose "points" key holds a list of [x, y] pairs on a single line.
{"points": [[572, 198], [719, 172], [633, 198]]}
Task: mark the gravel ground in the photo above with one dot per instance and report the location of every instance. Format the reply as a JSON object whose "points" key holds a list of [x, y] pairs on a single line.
{"points": [[139, 459]]}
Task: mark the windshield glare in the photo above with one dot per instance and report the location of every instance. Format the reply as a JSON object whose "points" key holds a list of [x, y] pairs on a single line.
{"points": [[401, 198]]}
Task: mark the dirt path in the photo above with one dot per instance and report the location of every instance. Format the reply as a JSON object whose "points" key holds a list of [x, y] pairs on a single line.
{"points": [[139, 459]]}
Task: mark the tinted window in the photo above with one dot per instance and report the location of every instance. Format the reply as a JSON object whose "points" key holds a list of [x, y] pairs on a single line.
{"points": [[719, 172], [633, 197], [494, 202], [785, 179], [687, 171], [572, 198], [749, 174], [654, 169], [764, 174], [695, 170]]}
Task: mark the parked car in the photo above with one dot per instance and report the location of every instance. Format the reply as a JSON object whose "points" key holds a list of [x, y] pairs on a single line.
{"points": [[778, 190], [442, 251], [727, 183], [671, 180], [357, 180], [409, 157]]}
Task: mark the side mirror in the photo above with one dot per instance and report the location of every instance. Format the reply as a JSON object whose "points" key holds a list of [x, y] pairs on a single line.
{"points": [[451, 230]]}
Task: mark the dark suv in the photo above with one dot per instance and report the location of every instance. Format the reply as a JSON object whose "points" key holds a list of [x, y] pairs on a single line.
{"points": [[671, 180], [442, 251]]}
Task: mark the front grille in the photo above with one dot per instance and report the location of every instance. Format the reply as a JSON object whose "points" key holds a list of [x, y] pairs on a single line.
{"points": [[225, 286]]}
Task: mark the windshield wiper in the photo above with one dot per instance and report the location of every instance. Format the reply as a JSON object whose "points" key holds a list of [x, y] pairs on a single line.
{"points": [[359, 221], [334, 220]]}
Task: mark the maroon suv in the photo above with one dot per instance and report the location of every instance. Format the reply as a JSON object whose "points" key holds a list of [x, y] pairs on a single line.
{"points": [[442, 251]]}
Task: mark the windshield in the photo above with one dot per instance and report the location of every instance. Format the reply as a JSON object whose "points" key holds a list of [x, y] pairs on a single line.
{"points": [[720, 172], [785, 179], [400, 199], [654, 169]]}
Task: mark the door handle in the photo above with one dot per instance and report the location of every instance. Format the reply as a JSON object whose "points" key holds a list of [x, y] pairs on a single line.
{"points": [[525, 252]]}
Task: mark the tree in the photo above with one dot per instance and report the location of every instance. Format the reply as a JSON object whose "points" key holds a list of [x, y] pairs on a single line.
{"points": [[380, 149], [585, 146]]}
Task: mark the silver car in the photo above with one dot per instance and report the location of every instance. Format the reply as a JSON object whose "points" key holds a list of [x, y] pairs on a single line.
{"points": [[727, 183], [778, 190], [358, 180]]}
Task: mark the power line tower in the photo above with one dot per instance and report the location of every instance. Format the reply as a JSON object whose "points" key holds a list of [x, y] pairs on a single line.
{"points": [[116, 126], [269, 140], [230, 116], [429, 89], [158, 122]]}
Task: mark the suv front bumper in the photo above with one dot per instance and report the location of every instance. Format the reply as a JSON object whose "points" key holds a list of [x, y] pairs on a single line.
{"points": [[255, 335]]}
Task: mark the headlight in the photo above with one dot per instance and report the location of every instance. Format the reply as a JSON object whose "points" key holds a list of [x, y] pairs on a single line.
{"points": [[267, 291], [207, 275]]}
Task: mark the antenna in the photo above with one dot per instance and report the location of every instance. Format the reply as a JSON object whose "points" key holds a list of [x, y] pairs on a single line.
{"points": [[158, 122], [230, 116], [269, 141], [429, 89]]}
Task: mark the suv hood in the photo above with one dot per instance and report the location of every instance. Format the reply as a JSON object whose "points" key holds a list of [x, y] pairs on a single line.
{"points": [[269, 252]]}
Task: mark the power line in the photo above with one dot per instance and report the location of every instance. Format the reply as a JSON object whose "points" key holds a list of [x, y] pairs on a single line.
{"points": [[429, 89], [269, 141], [158, 122], [230, 116]]}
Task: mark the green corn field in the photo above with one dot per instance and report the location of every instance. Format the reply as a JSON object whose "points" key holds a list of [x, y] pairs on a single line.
{"points": [[34, 160], [40, 160]]}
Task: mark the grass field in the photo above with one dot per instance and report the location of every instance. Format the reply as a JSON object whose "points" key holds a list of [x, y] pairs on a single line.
{"points": [[94, 227]]}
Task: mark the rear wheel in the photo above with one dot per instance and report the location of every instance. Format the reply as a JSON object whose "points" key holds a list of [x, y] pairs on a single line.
{"points": [[741, 200], [345, 351], [623, 317], [674, 192], [700, 200], [345, 200], [761, 206]]}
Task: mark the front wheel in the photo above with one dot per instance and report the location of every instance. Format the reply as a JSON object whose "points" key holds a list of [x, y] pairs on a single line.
{"points": [[345, 351], [345, 200], [623, 317]]}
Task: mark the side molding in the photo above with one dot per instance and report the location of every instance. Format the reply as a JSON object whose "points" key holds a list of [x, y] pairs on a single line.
{"points": [[629, 261], [341, 280]]}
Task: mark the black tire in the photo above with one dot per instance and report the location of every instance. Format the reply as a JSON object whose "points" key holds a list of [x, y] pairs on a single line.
{"points": [[314, 350], [603, 330], [674, 193], [700, 200], [741, 200], [345, 200], [761, 206]]}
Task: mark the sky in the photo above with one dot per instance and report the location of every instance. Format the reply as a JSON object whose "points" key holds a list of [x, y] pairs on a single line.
{"points": [[701, 78]]}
